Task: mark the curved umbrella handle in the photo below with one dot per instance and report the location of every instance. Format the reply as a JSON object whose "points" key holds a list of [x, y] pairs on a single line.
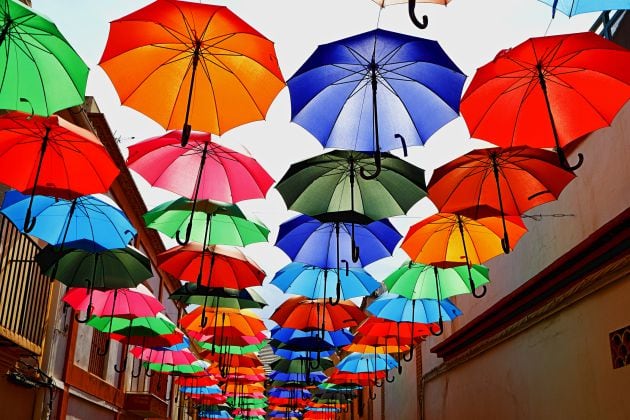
{"points": [[377, 162], [90, 308], [133, 372], [409, 356], [482, 294], [147, 370], [389, 381], [187, 237], [440, 331], [378, 384], [400, 368], [372, 395], [347, 267], [105, 350], [332, 302], [355, 251], [403, 142], [317, 362], [29, 222], [123, 368], [565, 163], [414, 19], [505, 243]]}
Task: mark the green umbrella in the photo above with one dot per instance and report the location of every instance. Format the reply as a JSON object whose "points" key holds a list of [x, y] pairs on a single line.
{"points": [[41, 72], [192, 293], [134, 327], [212, 223], [167, 368], [330, 182], [238, 402], [421, 281], [240, 350]]}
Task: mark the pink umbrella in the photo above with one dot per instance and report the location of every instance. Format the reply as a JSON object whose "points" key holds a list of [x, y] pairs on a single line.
{"points": [[170, 357], [222, 174], [249, 412], [120, 303]]}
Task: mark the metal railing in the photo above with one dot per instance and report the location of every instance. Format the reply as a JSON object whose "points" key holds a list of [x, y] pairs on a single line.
{"points": [[24, 290]]}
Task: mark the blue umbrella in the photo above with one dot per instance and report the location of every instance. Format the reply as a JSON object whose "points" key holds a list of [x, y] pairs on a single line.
{"points": [[574, 7], [214, 414], [326, 244], [308, 280], [85, 223], [312, 377], [311, 340], [289, 393], [400, 87], [201, 390], [426, 311]]}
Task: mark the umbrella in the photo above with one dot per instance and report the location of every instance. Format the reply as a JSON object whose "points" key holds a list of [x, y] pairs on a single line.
{"points": [[218, 297], [309, 340], [41, 72], [422, 281], [297, 366], [187, 64], [243, 321], [574, 7], [222, 267], [223, 175], [328, 243], [330, 182], [367, 363], [231, 349], [149, 327], [375, 91], [449, 239], [412, 7], [108, 269], [400, 309], [212, 223], [84, 222], [548, 92], [50, 156], [511, 180], [307, 280], [121, 303]]}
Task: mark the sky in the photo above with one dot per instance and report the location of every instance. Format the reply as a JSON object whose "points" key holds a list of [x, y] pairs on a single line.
{"points": [[470, 31]]}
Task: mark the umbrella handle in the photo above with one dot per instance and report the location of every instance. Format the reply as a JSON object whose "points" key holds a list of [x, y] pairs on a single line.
{"points": [[403, 142], [389, 381], [332, 302], [133, 372], [400, 368], [409, 356], [378, 384], [565, 163], [347, 267], [105, 350], [187, 237], [317, 361], [124, 367], [372, 395], [377, 162], [355, 251], [29, 222], [89, 308], [441, 328], [414, 18], [473, 287], [147, 370]]}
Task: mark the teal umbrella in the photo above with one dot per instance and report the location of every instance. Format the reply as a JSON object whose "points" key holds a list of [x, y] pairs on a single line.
{"points": [[41, 72]]}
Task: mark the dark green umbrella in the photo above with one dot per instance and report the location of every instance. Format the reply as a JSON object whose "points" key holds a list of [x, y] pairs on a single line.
{"points": [[41, 72], [107, 269], [240, 350], [299, 365], [192, 293], [421, 281], [212, 223]]}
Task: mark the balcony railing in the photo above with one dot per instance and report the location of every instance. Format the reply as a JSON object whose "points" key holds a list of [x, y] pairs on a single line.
{"points": [[24, 290], [606, 24]]}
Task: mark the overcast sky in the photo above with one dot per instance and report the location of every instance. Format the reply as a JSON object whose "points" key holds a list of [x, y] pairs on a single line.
{"points": [[470, 31]]}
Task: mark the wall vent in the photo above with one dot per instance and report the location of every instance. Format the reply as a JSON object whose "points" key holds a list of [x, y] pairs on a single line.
{"points": [[620, 347]]}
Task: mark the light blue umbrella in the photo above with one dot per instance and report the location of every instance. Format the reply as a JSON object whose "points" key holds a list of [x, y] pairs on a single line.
{"points": [[312, 281], [83, 223], [575, 7], [311, 340], [201, 390], [313, 377], [366, 363]]}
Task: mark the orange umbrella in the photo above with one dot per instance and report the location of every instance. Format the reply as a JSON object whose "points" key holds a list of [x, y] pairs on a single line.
{"points": [[452, 239], [245, 322], [379, 349], [189, 65]]}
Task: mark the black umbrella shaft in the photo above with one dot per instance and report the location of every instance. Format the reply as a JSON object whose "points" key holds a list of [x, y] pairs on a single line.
{"points": [[461, 233], [495, 170], [73, 206], [42, 152], [374, 104], [5, 29], [543, 86], [195, 62], [202, 163]]}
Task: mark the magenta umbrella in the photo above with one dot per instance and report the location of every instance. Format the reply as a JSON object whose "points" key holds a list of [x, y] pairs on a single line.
{"points": [[120, 303], [163, 357], [222, 174]]}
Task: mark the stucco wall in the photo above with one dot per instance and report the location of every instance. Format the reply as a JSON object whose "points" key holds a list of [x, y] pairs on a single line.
{"points": [[559, 369]]}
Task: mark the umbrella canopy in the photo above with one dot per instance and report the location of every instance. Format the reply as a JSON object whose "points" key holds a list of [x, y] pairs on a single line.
{"points": [[246, 323], [84, 222], [211, 266], [312, 377], [331, 182], [120, 303], [451, 239], [511, 180], [212, 223], [324, 244], [164, 340], [548, 91], [222, 174], [188, 64], [382, 349], [172, 357], [303, 314], [382, 328], [298, 366], [310, 340], [108, 269], [50, 156], [41, 72], [575, 7], [310, 281], [366, 363], [142, 327], [231, 349], [177, 369], [375, 91], [218, 297], [421, 281]]}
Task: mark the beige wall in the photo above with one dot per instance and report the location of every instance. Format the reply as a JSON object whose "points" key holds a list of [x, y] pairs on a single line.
{"points": [[559, 369]]}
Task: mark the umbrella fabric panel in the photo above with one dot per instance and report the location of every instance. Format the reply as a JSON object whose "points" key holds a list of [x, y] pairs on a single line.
{"points": [[425, 311]]}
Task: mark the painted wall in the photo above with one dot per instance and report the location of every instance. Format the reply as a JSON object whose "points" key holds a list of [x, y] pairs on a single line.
{"points": [[559, 369]]}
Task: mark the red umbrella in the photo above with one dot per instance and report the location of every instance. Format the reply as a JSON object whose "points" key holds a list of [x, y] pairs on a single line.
{"points": [[511, 180], [211, 266], [548, 92], [308, 314], [221, 173], [120, 303], [196, 380], [50, 156], [166, 340]]}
